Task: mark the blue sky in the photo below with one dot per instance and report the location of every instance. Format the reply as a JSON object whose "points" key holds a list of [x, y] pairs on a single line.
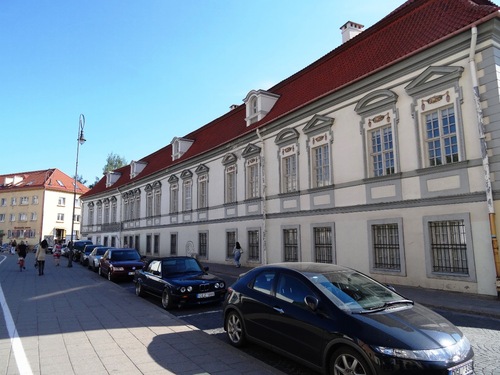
{"points": [[145, 71]]}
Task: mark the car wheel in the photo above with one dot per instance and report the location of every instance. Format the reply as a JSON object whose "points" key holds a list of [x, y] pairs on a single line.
{"points": [[348, 361], [138, 288], [166, 300], [235, 329]]}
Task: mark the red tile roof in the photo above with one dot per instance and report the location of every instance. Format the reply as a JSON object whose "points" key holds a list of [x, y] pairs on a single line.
{"points": [[49, 179], [414, 26]]}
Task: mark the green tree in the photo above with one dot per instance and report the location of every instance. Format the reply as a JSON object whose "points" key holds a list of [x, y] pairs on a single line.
{"points": [[113, 162]]}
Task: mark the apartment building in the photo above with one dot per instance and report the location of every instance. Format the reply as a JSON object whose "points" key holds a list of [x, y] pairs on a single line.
{"points": [[381, 155], [39, 204]]}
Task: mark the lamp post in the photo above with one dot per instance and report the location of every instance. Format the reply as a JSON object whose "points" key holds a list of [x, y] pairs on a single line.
{"points": [[80, 141]]}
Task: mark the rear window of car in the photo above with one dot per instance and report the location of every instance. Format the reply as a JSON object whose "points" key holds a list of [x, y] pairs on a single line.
{"points": [[125, 255]]}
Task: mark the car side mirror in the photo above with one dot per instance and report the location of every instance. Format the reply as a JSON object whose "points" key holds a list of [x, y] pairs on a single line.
{"points": [[311, 302]]}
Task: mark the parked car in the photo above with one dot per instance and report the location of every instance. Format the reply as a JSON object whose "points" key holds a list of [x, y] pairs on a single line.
{"points": [[78, 247], [179, 281], [339, 321], [95, 255], [120, 263], [84, 254]]}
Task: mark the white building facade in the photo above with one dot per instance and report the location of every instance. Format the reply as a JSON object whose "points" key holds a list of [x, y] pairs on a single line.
{"points": [[375, 157]]}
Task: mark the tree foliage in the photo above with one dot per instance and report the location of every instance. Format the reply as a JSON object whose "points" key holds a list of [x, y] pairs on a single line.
{"points": [[113, 162]]}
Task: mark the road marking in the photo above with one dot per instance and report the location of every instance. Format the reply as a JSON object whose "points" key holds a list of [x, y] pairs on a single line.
{"points": [[17, 346]]}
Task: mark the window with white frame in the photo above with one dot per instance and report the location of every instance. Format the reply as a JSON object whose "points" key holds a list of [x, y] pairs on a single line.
{"points": [[2, 218], [436, 108], [3, 202], [230, 243], [291, 244], [386, 246], [174, 198], [114, 208], [24, 200], [60, 217], [157, 200], [323, 245], [105, 219], [379, 119], [173, 243], [156, 244], [203, 191], [77, 202], [253, 245], [320, 136], [137, 206], [61, 201], [288, 150], [23, 216], [449, 247], [187, 195], [203, 244], [13, 201], [34, 216], [149, 201], [91, 214], [441, 141], [149, 247], [12, 217], [253, 178], [230, 186], [34, 199], [320, 166], [99, 213]]}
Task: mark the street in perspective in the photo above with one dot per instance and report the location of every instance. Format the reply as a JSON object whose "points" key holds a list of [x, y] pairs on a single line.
{"points": [[74, 321]]}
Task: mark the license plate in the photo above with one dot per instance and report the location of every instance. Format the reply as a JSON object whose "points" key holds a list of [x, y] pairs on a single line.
{"points": [[131, 273], [462, 369], [205, 295]]}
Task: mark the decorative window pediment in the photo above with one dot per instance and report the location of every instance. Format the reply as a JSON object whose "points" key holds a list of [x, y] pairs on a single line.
{"points": [[376, 101], [318, 124], [433, 77], [173, 179], [229, 159], [201, 169], [136, 167], [258, 104], [186, 174], [180, 147], [287, 136], [250, 150]]}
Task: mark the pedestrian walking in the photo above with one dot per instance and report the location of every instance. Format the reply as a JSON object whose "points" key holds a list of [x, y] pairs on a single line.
{"points": [[237, 251], [21, 253], [57, 253], [70, 254], [13, 246], [40, 256]]}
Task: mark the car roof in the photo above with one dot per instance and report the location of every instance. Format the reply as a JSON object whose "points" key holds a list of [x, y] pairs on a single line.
{"points": [[308, 267]]}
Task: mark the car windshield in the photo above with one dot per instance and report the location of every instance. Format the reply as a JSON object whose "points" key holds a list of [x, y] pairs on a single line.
{"points": [[100, 251], [125, 255], [173, 266], [355, 292]]}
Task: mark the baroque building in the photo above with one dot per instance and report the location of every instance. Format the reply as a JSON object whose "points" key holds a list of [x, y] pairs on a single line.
{"points": [[38, 205], [381, 156]]}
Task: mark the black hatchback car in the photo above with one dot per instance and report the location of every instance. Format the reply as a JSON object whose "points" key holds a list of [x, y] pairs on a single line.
{"points": [[179, 281], [339, 321]]}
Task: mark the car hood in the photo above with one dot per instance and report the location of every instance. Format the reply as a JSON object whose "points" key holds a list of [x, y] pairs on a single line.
{"points": [[189, 278], [415, 327], [127, 263]]}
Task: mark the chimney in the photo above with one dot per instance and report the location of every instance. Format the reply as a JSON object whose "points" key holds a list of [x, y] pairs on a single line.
{"points": [[350, 30]]}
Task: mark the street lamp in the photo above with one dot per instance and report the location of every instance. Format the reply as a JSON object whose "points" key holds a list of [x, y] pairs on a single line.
{"points": [[80, 141]]}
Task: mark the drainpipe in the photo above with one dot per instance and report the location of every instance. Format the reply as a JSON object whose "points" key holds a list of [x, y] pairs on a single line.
{"points": [[264, 200], [484, 155]]}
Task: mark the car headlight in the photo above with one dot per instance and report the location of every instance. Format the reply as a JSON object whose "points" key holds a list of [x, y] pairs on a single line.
{"points": [[453, 353], [219, 285], [117, 268], [184, 289]]}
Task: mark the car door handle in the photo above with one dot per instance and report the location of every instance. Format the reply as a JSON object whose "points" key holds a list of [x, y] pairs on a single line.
{"points": [[278, 309]]}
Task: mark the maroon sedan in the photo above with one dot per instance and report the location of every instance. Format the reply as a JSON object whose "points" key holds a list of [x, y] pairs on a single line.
{"points": [[120, 263]]}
